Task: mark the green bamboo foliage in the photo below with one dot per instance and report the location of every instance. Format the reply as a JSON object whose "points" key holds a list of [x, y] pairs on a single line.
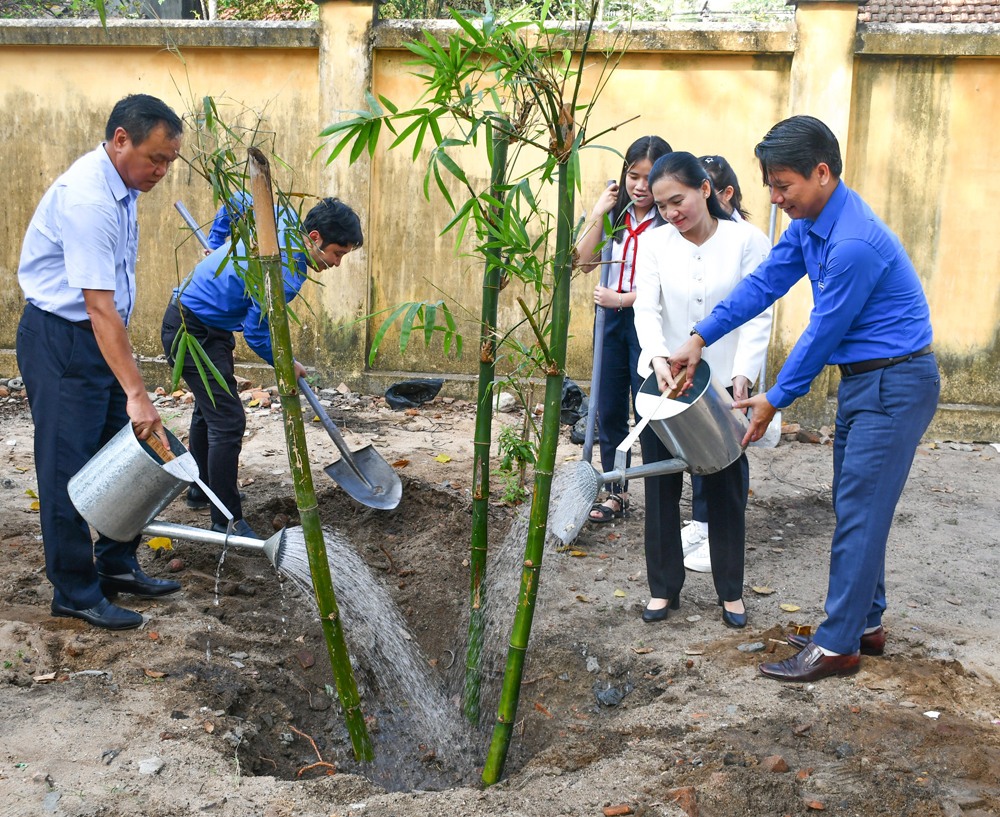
{"points": [[504, 727], [481, 457], [298, 454]]}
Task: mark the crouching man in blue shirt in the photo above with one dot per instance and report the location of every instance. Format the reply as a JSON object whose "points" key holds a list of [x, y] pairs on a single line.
{"points": [[216, 303], [77, 270], [870, 317]]}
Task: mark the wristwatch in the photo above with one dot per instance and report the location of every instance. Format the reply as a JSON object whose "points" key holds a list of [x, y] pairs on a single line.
{"points": [[694, 331]]}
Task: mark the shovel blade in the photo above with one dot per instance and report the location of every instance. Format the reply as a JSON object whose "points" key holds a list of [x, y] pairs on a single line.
{"points": [[384, 489]]}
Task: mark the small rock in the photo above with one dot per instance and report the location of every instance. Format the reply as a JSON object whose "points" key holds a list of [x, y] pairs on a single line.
{"points": [[178, 715], [593, 665], [844, 750], [175, 565], [685, 799], [152, 765], [7, 482], [756, 646], [234, 737], [802, 774], [609, 697], [51, 801], [280, 521], [286, 737], [693, 619], [319, 703], [263, 398], [4, 392], [239, 656], [306, 658], [775, 763], [16, 384], [807, 437], [617, 811], [74, 648], [504, 401], [908, 704], [802, 729], [564, 676], [42, 777], [734, 759], [242, 384], [343, 389]]}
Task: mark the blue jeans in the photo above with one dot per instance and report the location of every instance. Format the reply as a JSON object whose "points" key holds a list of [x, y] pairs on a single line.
{"points": [[881, 417]]}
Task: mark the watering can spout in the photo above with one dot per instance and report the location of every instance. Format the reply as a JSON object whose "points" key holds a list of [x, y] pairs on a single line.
{"points": [[273, 548]]}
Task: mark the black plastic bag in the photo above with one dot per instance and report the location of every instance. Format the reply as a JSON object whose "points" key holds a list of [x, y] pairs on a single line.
{"points": [[412, 393], [578, 434], [574, 403]]}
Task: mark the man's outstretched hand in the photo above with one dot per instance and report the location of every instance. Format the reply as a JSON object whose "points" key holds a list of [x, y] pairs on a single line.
{"points": [[687, 357], [763, 413]]}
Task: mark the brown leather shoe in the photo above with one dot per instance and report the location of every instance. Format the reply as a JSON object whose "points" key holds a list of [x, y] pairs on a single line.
{"points": [[872, 643], [811, 665]]}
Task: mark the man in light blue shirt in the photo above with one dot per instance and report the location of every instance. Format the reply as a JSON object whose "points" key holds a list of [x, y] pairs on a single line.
{"points": [[870, 317], [216, 303], [77, 271]]}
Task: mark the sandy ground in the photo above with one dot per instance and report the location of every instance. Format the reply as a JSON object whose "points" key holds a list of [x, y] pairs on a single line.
{"points": [[690, 736]]}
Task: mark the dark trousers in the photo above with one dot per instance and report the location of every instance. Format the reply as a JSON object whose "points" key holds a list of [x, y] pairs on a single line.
{"points": [[216, 436], [77, 406], [699, 499], [726, 495], [619, 375], [881, 417]]}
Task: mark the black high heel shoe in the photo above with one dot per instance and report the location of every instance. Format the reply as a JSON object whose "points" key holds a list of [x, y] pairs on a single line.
{"points": [[735, 620], [649, 616]]}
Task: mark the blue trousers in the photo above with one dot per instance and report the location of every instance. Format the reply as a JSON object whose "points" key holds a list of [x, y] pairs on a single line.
{"points": [[619, 375], [699, 499], [881, 417], [77, 406]]}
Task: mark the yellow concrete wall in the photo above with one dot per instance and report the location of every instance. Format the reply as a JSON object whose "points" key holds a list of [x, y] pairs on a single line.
{"points": [[916, 112], [702, 103], [924, 154], [55, 103]]}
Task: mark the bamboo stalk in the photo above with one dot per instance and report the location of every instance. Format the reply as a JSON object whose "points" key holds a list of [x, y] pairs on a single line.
{"points": [[298, 455], [504, 727], [481, 448]]}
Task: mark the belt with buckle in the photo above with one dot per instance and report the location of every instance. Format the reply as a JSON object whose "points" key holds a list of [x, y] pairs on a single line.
{"points": [[849, 369]]}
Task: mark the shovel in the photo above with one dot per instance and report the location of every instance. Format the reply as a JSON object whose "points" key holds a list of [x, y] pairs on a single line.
{"points": [[364, 474]]}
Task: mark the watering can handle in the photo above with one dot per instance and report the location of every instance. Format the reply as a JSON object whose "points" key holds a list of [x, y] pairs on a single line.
{"points": [[621, 452], [161, 451]]}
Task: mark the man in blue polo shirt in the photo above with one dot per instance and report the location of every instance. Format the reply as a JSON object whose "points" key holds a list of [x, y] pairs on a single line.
{"points": [[870, 317], [216, 303], [77, 270]]}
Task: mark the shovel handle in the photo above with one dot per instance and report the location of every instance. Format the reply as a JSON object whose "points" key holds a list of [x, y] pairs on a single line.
{"points": [[331, 429]]}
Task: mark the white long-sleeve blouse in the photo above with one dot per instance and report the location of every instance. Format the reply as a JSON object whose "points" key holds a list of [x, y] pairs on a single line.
{"points": [[678, 284]]}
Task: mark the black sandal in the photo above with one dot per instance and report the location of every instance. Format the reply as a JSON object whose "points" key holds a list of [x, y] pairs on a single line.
{"points": [[608, 514]]}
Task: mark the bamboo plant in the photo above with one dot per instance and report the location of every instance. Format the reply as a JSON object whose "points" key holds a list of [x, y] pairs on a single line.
{"points": [[512, 80], [272, 271], [481, 448]]}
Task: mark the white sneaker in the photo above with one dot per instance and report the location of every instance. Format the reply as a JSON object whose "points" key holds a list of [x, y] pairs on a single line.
{"points": [[700, 561], [692, 537]]}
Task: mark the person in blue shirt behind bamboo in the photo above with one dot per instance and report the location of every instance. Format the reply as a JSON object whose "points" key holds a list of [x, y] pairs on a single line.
{"points": [[216, 304], [870, 317]]}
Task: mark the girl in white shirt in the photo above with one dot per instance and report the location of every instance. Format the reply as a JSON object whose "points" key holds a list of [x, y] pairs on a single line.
{"points": [[687, 267], [629, 207]]}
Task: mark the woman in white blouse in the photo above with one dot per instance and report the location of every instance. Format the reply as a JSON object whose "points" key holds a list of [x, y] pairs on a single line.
{"points": [[686, 267]]}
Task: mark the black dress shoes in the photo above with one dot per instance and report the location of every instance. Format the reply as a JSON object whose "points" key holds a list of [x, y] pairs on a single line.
{"points": [[104, 614], [137, 583], [872, 643], [649, 616], [812, 664]]}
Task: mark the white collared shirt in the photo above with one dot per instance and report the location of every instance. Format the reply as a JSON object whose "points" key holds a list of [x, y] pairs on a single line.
{"points": [[620, 271], [678, 283], [84, 235]]}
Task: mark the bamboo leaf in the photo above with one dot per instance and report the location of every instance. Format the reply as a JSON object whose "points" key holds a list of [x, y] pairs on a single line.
{"points": [[360, 142], [211, 366], [430, 316], [467, 27], [419, 141], [201, 370], [373, 137], [373, 103], [407, 326], [383, 328], [452, 167], [179, 360], [392, 108], [442, 187], [406, 132]]}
